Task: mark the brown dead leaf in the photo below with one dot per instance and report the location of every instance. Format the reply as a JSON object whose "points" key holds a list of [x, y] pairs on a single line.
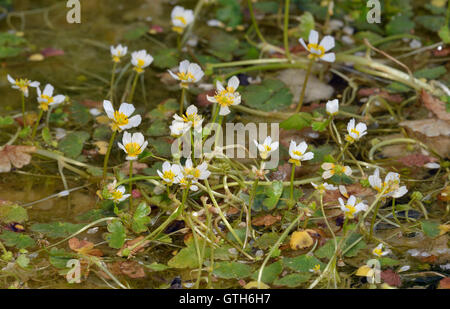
{"points": [[435, 105], [132, 269], [92, 104], [266, 220], [202, 100], [358, 190], [391, 277], [84, 247], [18, 156], [301, 240], [416, 160], [444, 283], [366, 92], [132, 242]]}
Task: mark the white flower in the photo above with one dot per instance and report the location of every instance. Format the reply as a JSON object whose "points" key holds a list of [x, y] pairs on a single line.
{"points": [[178, 128], [181, 18], [195, 173], [141, 60], [355, 133], [318, 51], [133, 145], [323, 187], [118, 52], [188, 73], [331, 169], [22, 84], [266, 148], [120, 119], [378, 251], [343, 191], [186, 183], [117, 195], [332, 107], [191, 119], [350, 209], [169, 172], [47, 99], [390, 186], [226, 97], [297, 153]]}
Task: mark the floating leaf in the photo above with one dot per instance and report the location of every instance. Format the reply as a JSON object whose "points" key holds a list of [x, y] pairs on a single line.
{"points": [[229, 12], [270, 95], [293, 280], [399, 24], [302, 263], [117, 235], [157, 267], [273, 195], [430, 228], [141, 218], [13, 213], [297, 121], [166, 58], [136, 33], [232, 270], [270, 272], [431, 73], [267, 240], [186, 258], [18, 240], [56, 229], [72, 143]]}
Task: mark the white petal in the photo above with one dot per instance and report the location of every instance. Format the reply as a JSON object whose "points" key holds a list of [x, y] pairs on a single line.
{"points": [[313, 37], [107, 105], [330, 57], [184, 65], [327, 42], [224, 110], [11, 80], [303, 43], [126, 109], [233, 82]]}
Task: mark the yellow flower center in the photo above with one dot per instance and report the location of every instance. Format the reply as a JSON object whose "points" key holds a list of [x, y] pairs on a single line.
{"points": [[23, 84], [378, 251], [267, 148], [355, 131], [298, 153], [224, 100], [182, 19], [314, 48], [194, 172], [316, 268], [191, 118], [350, 211], [133, 149], [120, 119], [169, 175], [117, 195], [186, 76]]}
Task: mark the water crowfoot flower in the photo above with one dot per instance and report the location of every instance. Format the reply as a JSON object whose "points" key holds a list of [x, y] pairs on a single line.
{"points": [[297, 153], [140, 60], [188, 73], [266, 148], [331, 169], [355, 133], [22, 84], [169, 173], [350, 209], [390, 186], [47, 99], [133, 145], [118, 52], [226, 97], [332, 107], [181, 18], [196, 173], [120, 119], [318, 50], [378, 251], [117, 194], [321, 188], [190, 120]]}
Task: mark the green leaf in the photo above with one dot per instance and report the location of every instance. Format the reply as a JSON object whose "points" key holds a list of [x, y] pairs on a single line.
{"points": [[293, 280], [166, 58], [430, 228], [158, 128], [186, 258], [270, 95], [72, 144], [430, 22], [231, 270], [273, 195], [229, 12], [444, 33], [23, 261], [302, 263], [157, 267], [222, 45], [306, 25], [140, 218], [297, 121], [18, 240], [60, 257], [270, 272], [6, 121], [57, 229], [397, 87], [13, 213], [80, 113], [319, 126], [239, 232], [432, 73], [266, 7], [267, 240], [46, 136], [399, 24], [385, 261], [327, 250], [136, 33], [116, 237]]}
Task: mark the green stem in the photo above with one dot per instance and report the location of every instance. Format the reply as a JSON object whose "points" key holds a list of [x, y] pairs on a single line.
{"points": [[286, 30], [326, 220], [255, 24], [305, 82], [183, 95], [108, 152], [133, 88], [373, 220], [249, 215], [33, 135], [131, 185], [113, 77], [23, 109], [292, 182]]}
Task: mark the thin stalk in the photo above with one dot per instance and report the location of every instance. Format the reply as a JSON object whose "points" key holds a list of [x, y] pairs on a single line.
{"points": [[113, 78], [286, 30], [133, 88], [182, 99], [305, 82], [23, 109], [131, 185], [108, 152], [249, 214], [292, 182], [255, 24], [33, 135]]}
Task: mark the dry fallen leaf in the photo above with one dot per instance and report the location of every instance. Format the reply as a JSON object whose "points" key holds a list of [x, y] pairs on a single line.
{"points": [[301, 240], [18, 156], [366, 92], [132, 269], [435, 105], [84, 247], [444, 283], [266, 220], [391, 277], [416, 160]]}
